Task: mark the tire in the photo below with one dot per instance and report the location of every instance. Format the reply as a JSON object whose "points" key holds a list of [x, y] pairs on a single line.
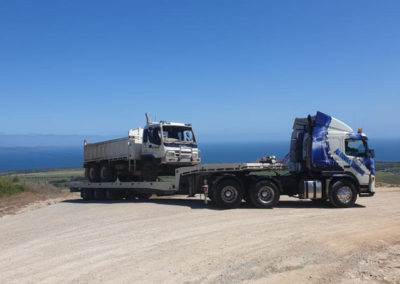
{"points": [[149, 171], [343, 194], [228, 194], [99, 194], [112, 194], [265, 194], [143, 196], [107, 173], [87, 194], [94, 174]]}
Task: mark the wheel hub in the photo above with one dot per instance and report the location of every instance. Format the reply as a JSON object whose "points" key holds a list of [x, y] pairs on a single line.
{"points": [[229, 194], [345, 194], [265, 194]]}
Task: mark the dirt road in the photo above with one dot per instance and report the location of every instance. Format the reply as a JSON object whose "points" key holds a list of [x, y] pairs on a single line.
{"points": [[175, 240]]}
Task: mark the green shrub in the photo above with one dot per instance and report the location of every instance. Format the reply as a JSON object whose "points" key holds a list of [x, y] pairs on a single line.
{"points": [[10, 187]]}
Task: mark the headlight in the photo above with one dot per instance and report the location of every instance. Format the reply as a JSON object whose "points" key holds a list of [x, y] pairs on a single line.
{"points": [[170, 154]]}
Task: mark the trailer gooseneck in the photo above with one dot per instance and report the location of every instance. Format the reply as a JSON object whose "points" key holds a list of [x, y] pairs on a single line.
{"points": [[327, 162]]}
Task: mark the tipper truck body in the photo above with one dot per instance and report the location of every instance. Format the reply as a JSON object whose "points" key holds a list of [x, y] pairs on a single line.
{"points": [[328, 162]]}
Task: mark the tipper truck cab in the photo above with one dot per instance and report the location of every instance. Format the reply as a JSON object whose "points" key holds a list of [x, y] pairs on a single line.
{"points": [[327, 162], [157, 149]]}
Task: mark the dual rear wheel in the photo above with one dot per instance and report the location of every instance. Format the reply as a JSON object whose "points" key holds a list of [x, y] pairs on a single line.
{"points": [[101, 173], [112, 194], [229, 193]]}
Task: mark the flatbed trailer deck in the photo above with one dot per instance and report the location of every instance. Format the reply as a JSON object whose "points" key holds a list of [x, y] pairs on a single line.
{"points": [[226, 184]]}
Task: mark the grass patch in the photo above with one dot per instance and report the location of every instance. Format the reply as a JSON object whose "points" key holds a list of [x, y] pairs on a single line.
{"points": [[9, 187], [388, 177], [56, 176]]}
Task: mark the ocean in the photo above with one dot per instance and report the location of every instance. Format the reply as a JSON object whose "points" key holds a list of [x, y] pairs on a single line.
{"points": [[20, 158]]}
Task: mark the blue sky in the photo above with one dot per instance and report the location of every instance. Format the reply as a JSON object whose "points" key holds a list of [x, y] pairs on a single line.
{"points": [[235, 69]]}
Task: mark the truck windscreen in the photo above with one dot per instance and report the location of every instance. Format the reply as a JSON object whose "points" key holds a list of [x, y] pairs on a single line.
{"points": [[178, 134]]}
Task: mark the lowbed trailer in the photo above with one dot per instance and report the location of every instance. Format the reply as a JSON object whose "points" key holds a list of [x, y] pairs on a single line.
{"points": [[225, 184]]}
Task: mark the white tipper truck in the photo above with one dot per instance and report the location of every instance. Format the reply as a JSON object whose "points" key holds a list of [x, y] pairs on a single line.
{"points": [[327, 162], [157, 148]]}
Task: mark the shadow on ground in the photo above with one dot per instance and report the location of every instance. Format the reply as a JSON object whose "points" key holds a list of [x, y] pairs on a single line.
{"points": [[196, 203]]}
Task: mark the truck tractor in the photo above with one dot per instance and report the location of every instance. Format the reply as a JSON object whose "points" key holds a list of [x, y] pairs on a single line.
{"points": [[156, 149]]}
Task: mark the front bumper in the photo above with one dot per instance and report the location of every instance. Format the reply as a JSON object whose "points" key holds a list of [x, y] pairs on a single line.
{"points": [[368, 190]]}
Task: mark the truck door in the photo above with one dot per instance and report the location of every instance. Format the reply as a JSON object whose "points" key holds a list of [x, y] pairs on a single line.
{"points": [[152, 141], [356, 151]]}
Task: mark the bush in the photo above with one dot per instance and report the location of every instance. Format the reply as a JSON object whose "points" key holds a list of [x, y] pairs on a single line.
{"points": [[8, 188]]}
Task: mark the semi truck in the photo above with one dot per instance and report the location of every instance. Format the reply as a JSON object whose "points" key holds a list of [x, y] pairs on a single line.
{"points": [[157, 148], [327, 162]]}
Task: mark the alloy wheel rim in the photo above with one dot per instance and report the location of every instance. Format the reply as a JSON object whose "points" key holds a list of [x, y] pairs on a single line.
{"points": [[344, 194], [229, 194], [265, 194]]}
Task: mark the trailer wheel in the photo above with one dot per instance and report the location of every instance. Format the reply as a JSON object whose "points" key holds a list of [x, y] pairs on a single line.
{"points": [[99, 194], [343, 194], [228, 194], [107, 173], [149, 171], [87, 194], [94, 174], [112, 194], [264, 194]]}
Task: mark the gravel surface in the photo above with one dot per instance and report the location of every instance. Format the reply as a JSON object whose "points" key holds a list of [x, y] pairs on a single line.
{"points": [[176, 240]]}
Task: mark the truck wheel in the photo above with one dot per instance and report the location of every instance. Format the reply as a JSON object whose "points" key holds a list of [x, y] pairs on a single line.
{"points": [[107, 174], [94, 174], [87, 194], [112, 194], [99, 194], [343, 194], [265, 194], [228, 194], [149, 171]]}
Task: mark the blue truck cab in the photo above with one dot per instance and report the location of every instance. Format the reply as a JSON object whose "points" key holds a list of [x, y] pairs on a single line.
{"points": [[329, 161]]}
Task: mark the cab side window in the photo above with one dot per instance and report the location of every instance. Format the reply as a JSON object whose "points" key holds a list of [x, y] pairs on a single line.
{"points": [[154, 135], [355, 148]]}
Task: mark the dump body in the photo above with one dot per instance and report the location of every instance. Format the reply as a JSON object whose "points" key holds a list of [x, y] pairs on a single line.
{"points": [[112, 150]]}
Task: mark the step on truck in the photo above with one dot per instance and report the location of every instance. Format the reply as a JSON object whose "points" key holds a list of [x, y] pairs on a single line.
{"points": [[156, 149], [328, 162]]}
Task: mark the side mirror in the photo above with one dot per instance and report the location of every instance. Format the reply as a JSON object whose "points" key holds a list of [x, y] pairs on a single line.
{"points": [[371, 153]]}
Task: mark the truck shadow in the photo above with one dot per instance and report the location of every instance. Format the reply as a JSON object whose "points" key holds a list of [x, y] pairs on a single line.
{"points": [[194, 203]]}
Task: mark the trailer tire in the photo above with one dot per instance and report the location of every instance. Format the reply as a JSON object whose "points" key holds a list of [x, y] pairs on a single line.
{"points": [[99, 194], [87, 194], [149, 171], [265, 194], [343, 194], [228, 194], [107, 173], [94, 174], [112, 194]]}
